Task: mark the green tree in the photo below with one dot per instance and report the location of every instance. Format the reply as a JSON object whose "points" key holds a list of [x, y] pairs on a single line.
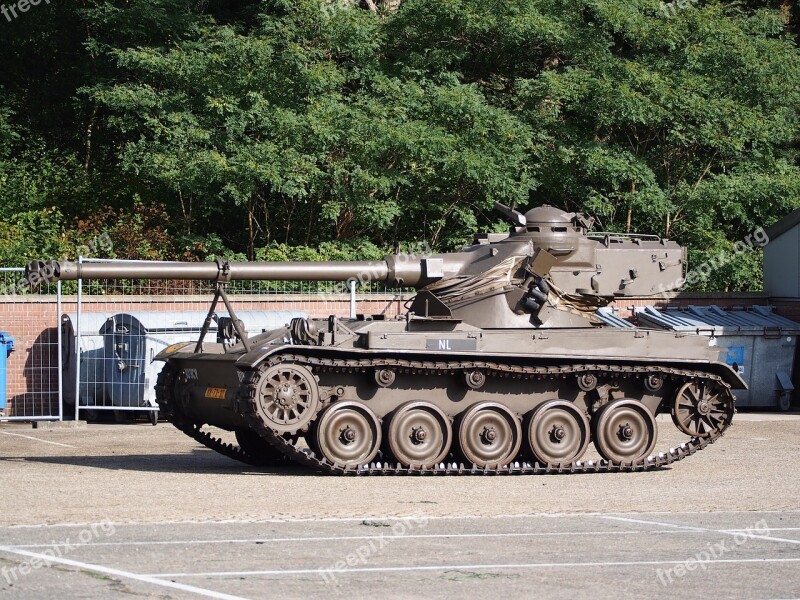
{"points": [[299, 123], [302, 122]]}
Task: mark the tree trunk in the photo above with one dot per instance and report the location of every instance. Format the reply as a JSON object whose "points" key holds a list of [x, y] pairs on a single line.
{"points": [[345, 224], [630, 208], [251, 229], [89, 128], [187, 212]]}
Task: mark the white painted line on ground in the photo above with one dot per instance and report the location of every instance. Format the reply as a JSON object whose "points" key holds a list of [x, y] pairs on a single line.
{"points": [[633, 563], [346, 538], [707, 529], [46, 559], [658, 523], [290, 520], [29, 437], [768, 528]]}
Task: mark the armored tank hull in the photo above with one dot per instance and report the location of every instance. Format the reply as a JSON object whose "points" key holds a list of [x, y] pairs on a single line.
{"points": [[412, 400], [499, 365]]}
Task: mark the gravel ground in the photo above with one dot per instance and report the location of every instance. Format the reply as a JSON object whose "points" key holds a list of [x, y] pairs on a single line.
{"points": [[140, 473]]}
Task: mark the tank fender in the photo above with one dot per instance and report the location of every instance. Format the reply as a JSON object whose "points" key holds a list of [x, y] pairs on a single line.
{"points": [[170, 350], [264, 346], [257, 355], [728, 375]]}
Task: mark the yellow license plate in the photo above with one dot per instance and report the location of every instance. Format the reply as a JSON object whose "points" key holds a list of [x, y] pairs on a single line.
{"points": [[216, 393]]}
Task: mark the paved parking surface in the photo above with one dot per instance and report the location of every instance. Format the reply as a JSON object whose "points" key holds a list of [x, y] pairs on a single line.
{"points": [[752, 555], [142, 511]]}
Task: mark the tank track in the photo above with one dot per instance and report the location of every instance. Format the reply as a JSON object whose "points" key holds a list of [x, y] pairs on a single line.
{"points": [[171, 411], [306, 457]]}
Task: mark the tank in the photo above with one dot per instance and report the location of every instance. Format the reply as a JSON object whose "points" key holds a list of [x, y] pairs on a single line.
{"points": [[499, 366]]}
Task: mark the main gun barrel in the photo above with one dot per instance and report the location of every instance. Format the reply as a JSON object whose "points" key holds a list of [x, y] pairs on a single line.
{"points": [[49, 271]]}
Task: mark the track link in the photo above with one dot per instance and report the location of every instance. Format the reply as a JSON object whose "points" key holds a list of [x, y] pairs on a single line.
{"points": [[172, 411], [289, 448]]}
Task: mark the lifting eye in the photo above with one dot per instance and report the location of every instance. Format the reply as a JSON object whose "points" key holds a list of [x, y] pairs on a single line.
{"points": [[559, 229], [534, 229]]}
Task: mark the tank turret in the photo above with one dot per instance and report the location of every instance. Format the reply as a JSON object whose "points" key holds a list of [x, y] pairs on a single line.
{"points": [[548, 270]]}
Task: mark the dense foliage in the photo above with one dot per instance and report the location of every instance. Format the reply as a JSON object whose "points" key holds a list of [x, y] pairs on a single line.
{"points": [[187, 129]]}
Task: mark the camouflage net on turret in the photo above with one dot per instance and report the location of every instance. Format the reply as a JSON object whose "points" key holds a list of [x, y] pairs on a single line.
{"points": [[579, 304], [459, 290], [512, 273]]}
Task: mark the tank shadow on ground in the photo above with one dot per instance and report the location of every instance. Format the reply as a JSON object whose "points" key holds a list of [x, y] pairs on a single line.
{"points": [[204, 464], [200, 461]]}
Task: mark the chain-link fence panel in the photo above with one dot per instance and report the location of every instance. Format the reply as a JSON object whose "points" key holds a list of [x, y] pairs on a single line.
{"points": [[29, 349]]}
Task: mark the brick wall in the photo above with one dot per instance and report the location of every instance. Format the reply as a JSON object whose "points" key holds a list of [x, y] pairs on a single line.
{"points": [[787, 307], [32, 381], [33, 321]]}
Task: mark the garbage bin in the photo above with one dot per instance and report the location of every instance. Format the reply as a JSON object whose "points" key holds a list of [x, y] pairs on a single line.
{"points": [[6, 347], [755, 341]]}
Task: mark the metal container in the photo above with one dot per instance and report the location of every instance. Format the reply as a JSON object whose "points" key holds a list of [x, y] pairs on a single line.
{"points": [[6, 348], [756, 342]]}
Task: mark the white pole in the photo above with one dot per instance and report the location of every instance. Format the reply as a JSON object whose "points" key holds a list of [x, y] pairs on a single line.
{"points": [[352, 298], [60, 354], [78, 349]]}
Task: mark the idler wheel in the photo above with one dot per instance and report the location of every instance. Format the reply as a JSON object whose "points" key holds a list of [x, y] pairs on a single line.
{"points": [[348, 434], [287, 397], [625, 431], [702, 409], [558, 433], [419, 434], [489, 434]]}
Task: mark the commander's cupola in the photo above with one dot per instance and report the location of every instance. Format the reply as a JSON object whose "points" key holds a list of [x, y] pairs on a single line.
{"points": [[548, 227]]}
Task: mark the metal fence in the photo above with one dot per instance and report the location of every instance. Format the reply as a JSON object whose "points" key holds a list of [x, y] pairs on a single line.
{"points": [[88, 345], [33, 388]]}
